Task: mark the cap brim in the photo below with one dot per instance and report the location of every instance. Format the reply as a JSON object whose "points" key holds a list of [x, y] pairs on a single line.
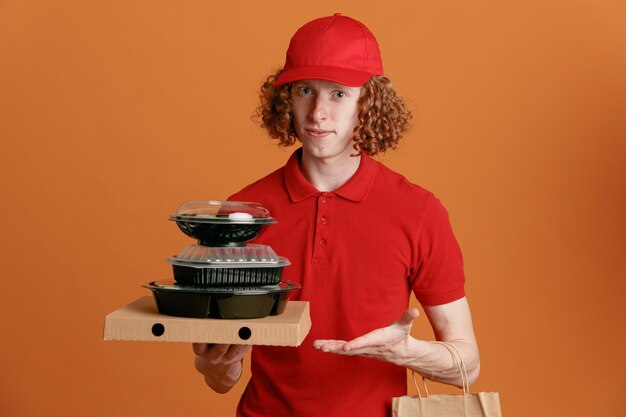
{"points": [[345, 76]]}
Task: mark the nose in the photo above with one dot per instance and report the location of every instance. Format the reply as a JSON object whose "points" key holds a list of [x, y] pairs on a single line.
{"points": [[319, 109]]}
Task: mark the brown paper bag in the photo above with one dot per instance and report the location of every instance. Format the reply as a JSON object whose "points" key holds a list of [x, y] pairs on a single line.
{"points": [[481, 404]]}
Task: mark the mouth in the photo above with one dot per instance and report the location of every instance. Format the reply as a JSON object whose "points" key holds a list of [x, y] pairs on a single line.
{"points": [[318, 133]]}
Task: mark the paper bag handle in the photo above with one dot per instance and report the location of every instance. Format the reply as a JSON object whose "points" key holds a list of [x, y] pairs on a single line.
{"points": [[419, 393], [458, 361]]}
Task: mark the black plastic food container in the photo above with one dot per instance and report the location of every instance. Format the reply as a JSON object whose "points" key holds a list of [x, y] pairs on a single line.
{"points": [[222, 223], [221, 303], [251, 265], [219, 234], [228, 277]]}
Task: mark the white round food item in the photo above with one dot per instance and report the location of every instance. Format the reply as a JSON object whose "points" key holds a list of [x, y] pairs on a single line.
{"points": [[240, 216]]}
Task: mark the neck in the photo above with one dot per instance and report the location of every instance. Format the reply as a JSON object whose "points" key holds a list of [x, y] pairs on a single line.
{"points": [[328, 174]]}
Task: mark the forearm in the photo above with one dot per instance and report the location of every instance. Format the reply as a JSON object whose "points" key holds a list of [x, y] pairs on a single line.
{"points": [[434, 361], [451, 323]]}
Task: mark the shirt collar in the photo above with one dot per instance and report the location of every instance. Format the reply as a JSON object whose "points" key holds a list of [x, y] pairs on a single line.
{"points": [[356, 189]]}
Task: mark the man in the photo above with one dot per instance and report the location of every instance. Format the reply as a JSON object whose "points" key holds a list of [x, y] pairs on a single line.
{"points": [[359, 236]]}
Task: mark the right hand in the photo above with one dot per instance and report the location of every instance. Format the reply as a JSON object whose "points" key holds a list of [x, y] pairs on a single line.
{"points": [[220, 364]]}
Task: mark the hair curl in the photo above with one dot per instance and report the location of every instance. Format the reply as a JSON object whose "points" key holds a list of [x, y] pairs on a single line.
{"points": [[383, 115]]}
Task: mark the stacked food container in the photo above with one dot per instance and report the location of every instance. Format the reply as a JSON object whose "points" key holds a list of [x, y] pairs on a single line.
{"points": [[223, 276]]}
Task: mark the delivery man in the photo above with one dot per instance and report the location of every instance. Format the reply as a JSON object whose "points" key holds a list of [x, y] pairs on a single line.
{"points": [[359, 236]]}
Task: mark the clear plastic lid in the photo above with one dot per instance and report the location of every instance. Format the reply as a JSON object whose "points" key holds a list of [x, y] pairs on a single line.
{"points": [[228, 254], [214, 211], [281, 262]]}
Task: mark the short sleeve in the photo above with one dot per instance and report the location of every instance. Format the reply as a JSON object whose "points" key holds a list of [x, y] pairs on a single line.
{"points": [[437, 276]]}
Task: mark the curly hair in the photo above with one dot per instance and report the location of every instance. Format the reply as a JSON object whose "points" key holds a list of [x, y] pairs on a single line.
{"points": [[383, 115]]}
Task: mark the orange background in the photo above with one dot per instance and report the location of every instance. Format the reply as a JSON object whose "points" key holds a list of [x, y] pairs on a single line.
{"points": [[113, 113]]}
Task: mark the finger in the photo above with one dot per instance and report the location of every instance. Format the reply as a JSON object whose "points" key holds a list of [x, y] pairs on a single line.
{"points": [[212, 353], [200, 348], [385, 337], [329, 345], [235, 353], [408, 316], [372, 339], [336, 346], [369, 352], [217, 352], [317, 344], [200, 364]]}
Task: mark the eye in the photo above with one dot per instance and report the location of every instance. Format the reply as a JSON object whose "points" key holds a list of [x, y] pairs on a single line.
{"points": [[304, 90], [340, 94]]}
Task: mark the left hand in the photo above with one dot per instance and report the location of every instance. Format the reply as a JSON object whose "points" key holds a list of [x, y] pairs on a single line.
{"points": [[392, 343]]}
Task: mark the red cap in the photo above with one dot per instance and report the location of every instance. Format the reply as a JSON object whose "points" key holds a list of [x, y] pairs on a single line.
{"points": [[334, 48]]}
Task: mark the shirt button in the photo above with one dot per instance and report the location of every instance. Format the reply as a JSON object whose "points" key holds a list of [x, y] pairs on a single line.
{"points": [[323, 220], [322, 242], [323, 199]]}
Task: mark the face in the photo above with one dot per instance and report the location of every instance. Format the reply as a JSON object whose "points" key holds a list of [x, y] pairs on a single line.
{"points": [[325, 115]]}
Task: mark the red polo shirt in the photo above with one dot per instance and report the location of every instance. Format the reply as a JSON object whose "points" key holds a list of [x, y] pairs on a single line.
{"points": [[358, 252]]}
